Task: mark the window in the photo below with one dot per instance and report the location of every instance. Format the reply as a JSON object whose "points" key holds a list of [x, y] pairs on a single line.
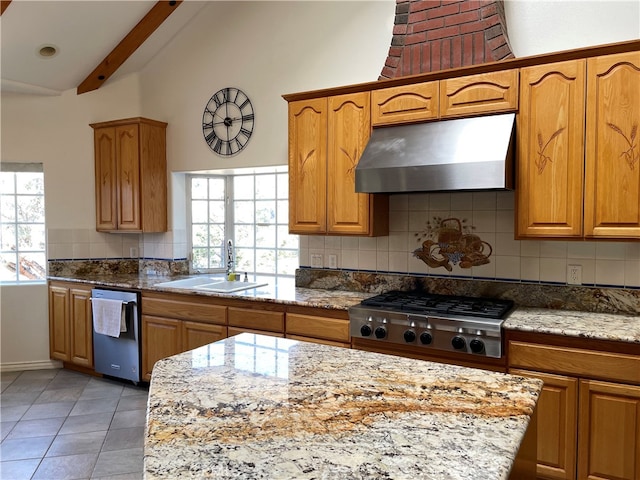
{"points": [[22, 229], [251, 210]]}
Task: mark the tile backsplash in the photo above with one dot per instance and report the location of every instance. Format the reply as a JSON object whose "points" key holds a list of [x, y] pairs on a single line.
{"points": [[489, 216]]}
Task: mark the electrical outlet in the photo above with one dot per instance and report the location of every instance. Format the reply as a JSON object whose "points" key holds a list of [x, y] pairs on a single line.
{"points": [[133, 252], [574, 274], [316, 260], [333, 261]]}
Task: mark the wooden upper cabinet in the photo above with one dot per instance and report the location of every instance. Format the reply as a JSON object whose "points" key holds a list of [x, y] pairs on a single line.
{"points": [[349, 127], [130, 175], [550, 166], [405, 104], [483, 93], [307, 166], [326, 139], [612, 176]]}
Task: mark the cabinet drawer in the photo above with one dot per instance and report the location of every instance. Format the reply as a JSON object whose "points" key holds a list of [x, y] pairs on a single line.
{"points": [[319, 340], [574, 361], [184, 310], [482, 93], [405, 104], [232, 331], [318, 327], [256, 319]]}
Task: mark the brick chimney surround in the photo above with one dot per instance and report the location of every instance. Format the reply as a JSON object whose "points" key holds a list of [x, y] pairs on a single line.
{"points": [[432, 35]]}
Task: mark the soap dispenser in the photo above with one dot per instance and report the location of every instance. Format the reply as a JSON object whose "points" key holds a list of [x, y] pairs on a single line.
{"points": [[246, 277]]}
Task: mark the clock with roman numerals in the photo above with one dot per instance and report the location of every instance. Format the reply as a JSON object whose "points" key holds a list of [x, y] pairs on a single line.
{"points": [[227, 121]]}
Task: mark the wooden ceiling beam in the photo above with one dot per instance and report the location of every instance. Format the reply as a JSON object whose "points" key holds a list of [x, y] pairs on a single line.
{"points": [[3, 5], [129, 44]]}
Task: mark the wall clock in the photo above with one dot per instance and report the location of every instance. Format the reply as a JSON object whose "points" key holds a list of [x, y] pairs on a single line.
{"points": [[227, 121]]}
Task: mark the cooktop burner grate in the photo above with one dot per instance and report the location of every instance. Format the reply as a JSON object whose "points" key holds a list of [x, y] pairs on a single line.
{"points": [[428, 303]]}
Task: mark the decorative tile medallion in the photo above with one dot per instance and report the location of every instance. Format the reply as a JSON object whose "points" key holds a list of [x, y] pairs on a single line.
{"points": [[449, 241]]}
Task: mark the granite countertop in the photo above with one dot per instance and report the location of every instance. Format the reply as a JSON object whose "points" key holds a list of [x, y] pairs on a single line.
{"points": [[596, 326], [252, 406]]}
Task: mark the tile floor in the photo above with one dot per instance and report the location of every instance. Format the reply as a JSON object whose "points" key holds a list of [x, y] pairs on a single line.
{"points": [[64, 425]]}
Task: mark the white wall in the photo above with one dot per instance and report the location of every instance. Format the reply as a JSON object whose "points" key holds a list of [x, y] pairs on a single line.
{"points": [[266, 49]]}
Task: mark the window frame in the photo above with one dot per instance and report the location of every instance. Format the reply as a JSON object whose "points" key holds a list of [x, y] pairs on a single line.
{"points": [[16, 169]]}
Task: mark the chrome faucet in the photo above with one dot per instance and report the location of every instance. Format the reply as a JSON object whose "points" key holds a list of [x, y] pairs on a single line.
{"points": [[230, 261]]}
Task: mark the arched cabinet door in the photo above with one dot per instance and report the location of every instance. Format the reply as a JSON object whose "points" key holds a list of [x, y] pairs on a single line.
{"points": [[612, 167]]}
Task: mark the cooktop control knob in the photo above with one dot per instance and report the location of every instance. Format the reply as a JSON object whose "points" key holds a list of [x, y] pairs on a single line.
{"points": [[458, 342], [365, 330], [425, 338], [476, 346], [409, 336], [381, 332]]}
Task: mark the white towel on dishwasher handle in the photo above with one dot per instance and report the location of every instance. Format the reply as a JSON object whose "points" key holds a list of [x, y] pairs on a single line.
{"points": [[109, 316]]}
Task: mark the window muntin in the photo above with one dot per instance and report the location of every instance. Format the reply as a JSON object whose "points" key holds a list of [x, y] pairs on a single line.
{"points": [[22, 223]]}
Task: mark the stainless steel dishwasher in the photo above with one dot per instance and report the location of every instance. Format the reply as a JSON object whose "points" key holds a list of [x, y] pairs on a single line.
{"points": [[119, 356]]}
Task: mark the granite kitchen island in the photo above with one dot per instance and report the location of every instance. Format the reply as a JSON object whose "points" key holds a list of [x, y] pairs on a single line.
{"points": [[254, 406]]}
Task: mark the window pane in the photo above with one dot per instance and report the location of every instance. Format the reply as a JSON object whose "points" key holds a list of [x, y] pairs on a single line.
{"points": [[32, 266], [283, 211], [31, 237], [244, 235], [199, 188], [216, 235], [216, 211], [265, 237], [266, 261], [243, 212], [287, 262], [266, 186], [283, 185], [30, 183], [8, 267], [244, 260], [30, 208], [243, 187], [200, 258], [199, 211], [8, 237], [7, 182], [285, 240], [8, 208], [215, 258], [266, 211], [216, 188], [200, 235]]}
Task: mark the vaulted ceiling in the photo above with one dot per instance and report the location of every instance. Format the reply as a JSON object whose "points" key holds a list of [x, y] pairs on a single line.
{"points": [[94, 41]]}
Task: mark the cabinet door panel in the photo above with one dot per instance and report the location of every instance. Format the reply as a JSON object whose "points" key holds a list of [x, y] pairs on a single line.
{"points": [[128, 164], [318, 327], [105, 165], [551, 150], [256, 319], [405, 104], [349, 130], [609, 437], [198, 334], [307, 166], [557, 425], [161, 338], [612, 198], [81, 327], [483, 93], [59, 323]]}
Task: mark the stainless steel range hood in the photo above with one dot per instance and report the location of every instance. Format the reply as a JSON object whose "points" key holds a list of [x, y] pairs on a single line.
{"points": [[448, 155]]}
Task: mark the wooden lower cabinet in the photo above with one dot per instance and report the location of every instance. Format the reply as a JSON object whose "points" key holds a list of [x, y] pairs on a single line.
{"points": [[557, 425], [161, 338], [250, 319], [196, 334], [330, 330], [70, 323], [238, 330], [589, 409], [609, 432]]}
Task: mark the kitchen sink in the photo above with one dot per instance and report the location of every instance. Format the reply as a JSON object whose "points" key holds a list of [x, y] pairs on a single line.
{"points": [[210, 284], [227, 286], [190, 282]]}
